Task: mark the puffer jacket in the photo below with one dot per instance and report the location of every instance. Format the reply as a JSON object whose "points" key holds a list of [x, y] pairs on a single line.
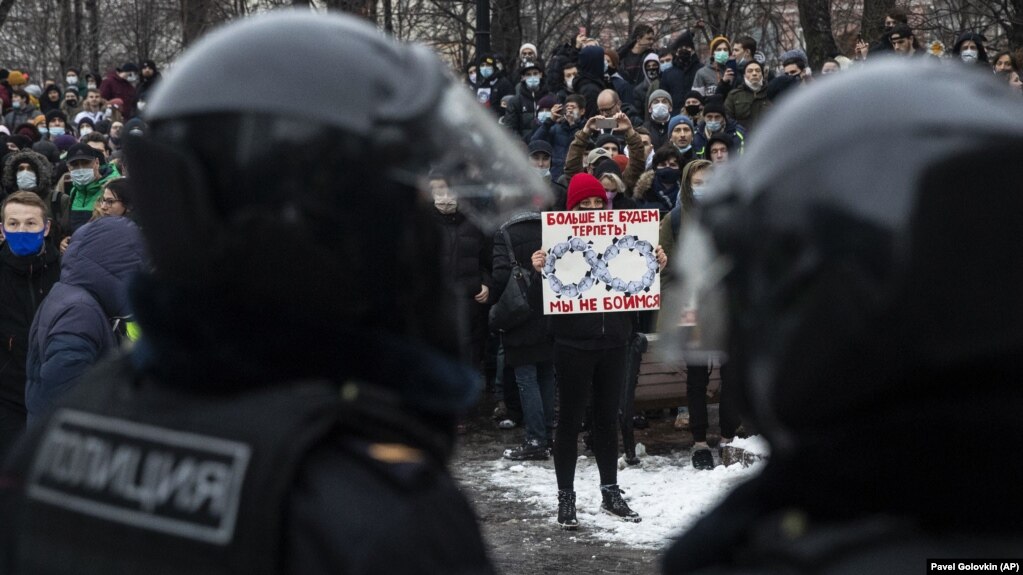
{"points": [[114, 86], [73, 328]]}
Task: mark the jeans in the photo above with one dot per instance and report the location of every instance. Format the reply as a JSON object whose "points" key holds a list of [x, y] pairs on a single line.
{"points": [[536, 391]]}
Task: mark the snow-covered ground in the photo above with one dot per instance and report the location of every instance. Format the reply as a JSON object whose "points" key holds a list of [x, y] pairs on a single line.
{"points": [[665, 490]]}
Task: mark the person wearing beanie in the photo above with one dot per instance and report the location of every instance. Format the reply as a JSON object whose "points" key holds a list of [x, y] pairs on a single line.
{"points": [[716, 120], [521, 115], [609, 142], [658, 112], [17, 79], [528, 54], [590, 351], [491, 85], [678, 80], [693, 106], [716, 76], [718, 147], [149, 75], [748, 102], [680, 136]]}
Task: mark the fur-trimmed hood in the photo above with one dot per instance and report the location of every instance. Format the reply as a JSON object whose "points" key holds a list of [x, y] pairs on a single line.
{"points": [[43, 168]]}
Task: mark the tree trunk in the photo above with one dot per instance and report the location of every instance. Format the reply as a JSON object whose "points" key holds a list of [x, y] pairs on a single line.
{"points": [[1015, 29], [300, 3], [5, 9], [815, 18], [92, 38], [65, 41], [506, 29], [874, 12], [194, 19]]}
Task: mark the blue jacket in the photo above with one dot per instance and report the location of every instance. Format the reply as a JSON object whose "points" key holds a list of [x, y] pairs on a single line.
{"points": [[72, 329]]}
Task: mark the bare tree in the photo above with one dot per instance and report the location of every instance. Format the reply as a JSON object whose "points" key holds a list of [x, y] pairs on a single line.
{"points": [[815, 18], [5, 9]]}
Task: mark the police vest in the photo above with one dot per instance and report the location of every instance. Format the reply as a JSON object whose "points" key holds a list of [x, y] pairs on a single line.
{"points": [[116, 484]]}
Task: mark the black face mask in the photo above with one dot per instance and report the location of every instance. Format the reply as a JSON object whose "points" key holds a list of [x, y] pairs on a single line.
{"points": [[652, 74], [693, 110], [71, 103]]}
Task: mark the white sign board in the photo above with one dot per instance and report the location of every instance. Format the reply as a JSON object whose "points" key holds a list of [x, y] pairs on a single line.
{"points": [[601, 261]]}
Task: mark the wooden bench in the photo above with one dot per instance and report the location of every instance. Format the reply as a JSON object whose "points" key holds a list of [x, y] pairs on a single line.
{"points": [[662, 381]]}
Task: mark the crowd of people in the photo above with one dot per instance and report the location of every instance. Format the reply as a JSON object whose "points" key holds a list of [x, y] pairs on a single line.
{"points": [[635, 127], [62, 169]]}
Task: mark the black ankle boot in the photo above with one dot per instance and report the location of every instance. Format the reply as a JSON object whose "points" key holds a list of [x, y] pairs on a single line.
{"points": [[616, 505], [566, 510]]}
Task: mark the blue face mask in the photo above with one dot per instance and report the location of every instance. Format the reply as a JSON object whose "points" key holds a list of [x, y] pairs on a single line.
{"points": [[25, 243], [533, 82], [665, 66], [56, 131], [714, 126], [486, 71]]}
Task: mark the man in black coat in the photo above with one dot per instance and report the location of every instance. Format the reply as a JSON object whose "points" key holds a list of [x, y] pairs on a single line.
{"points": [[28, 269], [678, 80]]}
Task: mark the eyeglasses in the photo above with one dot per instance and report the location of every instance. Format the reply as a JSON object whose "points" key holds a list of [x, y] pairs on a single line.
{"points": [[108, 201]]}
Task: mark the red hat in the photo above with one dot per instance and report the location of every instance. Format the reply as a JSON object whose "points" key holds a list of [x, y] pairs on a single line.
{"points": [[622, 160], [584, 186]]}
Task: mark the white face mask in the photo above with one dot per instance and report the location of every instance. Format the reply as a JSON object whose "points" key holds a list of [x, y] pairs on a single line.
{"points": [[660, 112], [445, 205], [26, 180], [71, 80], [969, 56], [85, 130]]}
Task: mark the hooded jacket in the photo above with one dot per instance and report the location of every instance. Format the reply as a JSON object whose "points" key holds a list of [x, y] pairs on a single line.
{"points": [[83, 198], [42, 167], [529, 342], [590, 82], [72, 329]]}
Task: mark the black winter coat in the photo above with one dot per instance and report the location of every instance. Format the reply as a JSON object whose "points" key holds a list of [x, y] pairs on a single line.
{"points": [[678, 81], [24, 282], [529, 342], [520, 116], [465, 255]]}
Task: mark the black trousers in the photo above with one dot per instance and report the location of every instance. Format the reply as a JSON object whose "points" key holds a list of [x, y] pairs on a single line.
{"points": [[697, 379], [12, 425], [582, 374]]}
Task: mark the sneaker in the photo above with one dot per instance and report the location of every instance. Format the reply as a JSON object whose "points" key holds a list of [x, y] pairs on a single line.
{"points": [[615, 505], [500, 411], [531, 450], [703, 459], [506, 424], [566, 510], [682, 420]]}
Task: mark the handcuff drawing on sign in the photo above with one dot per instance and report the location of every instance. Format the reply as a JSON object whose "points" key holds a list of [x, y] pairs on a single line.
{"points": [[598, 263]]}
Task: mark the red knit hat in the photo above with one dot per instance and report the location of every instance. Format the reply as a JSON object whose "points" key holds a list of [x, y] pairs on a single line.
{"points": [[584, 186]]}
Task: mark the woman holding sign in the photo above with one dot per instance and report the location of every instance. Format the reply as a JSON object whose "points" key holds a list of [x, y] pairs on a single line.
{"points": [[589, 358]]}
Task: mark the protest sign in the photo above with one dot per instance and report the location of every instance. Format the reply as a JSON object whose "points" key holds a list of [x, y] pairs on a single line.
{"points": [[600, 261]]}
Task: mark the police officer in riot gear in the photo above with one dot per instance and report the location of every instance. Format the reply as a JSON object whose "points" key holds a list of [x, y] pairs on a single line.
{"points": [[867, 285], [291, 404]]}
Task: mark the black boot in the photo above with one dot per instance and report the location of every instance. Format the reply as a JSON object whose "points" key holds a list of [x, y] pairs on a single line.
{"points": [[616, 505], [531, 450], [566, 510], [703, 459]]}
